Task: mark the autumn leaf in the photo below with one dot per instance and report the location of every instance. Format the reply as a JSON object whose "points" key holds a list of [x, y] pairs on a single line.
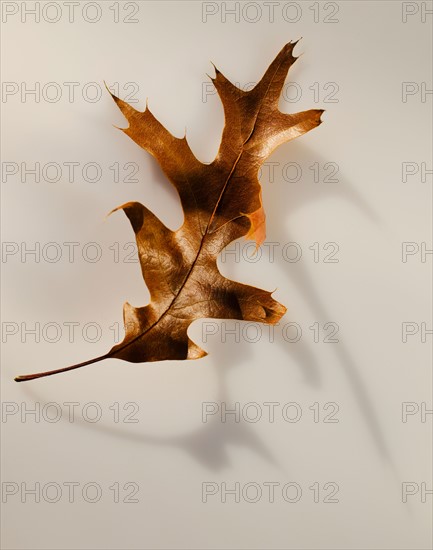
{"points": [[221, 202]]}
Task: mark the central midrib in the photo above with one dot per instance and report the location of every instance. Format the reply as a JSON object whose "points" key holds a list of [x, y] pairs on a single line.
{"points": [[211, 217], [188, 274]]}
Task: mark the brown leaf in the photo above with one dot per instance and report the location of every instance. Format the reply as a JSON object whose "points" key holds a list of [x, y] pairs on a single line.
{"points": [[221, 202]]}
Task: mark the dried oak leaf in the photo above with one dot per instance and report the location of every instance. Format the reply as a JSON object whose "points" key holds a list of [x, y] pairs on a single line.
{"points": [[221, 202]]}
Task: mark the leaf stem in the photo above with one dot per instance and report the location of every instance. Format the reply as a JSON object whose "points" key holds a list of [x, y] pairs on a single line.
{"points": [[26, 377]]}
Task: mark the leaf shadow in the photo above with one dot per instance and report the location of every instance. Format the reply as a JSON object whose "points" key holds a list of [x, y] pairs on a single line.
{"points": [[209, 444], [281, 207]]}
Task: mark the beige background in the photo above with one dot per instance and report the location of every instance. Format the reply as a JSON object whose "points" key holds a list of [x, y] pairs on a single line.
{"points": [[369, 132]]}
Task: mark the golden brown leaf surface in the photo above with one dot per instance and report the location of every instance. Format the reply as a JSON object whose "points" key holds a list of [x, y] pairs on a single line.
{"points": [[221, 202]]}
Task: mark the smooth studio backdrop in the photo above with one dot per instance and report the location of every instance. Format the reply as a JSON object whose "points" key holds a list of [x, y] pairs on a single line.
{"points": [[341, 200]]}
